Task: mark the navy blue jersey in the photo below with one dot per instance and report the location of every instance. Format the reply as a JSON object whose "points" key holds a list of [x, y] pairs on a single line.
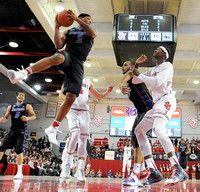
{"points": [[78, 43], [17, 111], [140, 96]]}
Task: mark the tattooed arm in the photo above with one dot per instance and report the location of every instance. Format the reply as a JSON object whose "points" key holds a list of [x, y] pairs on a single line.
{"points": [[84, 24]]}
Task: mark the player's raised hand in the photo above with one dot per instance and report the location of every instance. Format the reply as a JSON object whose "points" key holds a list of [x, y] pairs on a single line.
{"points": [[110, 88], [3, 119], [125, 90], [71, 14], [141, 59]]}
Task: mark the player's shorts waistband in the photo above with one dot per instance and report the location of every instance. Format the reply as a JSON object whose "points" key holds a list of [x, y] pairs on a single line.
{"points": [[79, 109]]}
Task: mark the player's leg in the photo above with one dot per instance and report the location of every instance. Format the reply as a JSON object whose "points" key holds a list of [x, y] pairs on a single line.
{"points": [[74, 127], [163, 112], [123, 169], [84, 135], [43, 64], [138, 157], [19, 148], [144, 126], [72, 86]]}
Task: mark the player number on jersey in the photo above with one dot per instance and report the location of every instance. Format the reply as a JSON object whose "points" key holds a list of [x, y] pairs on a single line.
{"points": [[17, 114], [80, 38]]}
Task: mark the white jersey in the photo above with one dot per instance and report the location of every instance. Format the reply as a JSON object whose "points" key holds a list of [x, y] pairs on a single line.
{"points": [[81, 101], [127, 152], [160, 79]]}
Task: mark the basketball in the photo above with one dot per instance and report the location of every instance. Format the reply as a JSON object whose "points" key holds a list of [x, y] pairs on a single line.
{"points": [[64, 20]]}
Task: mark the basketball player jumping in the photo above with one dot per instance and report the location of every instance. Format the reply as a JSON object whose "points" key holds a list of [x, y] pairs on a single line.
{"points": [[78, 121], [78, 43], [160, 79], [142, 100], [16, 137]]}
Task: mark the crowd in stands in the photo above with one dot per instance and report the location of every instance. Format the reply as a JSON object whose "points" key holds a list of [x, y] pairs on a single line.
{"points": [[99, 146], [37, 154]]}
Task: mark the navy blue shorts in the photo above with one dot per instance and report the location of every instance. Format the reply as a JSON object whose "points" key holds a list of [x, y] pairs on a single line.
{"points": [[73, 70]]}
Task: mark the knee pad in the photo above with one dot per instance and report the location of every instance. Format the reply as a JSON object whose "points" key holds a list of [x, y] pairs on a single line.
{"points": [[74, 139], [82, 145]]}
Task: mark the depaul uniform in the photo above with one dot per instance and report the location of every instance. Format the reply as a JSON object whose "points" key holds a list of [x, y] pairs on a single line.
{"points": [[17, 135], [78, 116], [160, 79], [78, 46], [142, 101]]}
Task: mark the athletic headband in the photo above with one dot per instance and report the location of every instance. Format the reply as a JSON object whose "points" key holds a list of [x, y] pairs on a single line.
{"points": [[165, 50]]}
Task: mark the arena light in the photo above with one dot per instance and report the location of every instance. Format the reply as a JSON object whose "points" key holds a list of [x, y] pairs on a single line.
{"points": [[13, 44], [196, 82], [59, 7], [48, 80], [86, 64], [37, 87], [95, 80], [118, 91], [58, 91]]}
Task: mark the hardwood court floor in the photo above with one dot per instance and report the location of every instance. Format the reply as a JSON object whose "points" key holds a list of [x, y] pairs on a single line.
{"points": [[54, 184]]}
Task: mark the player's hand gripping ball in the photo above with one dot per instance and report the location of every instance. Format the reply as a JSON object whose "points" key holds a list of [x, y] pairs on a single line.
{"points": [[64, 19], [141, 59]]}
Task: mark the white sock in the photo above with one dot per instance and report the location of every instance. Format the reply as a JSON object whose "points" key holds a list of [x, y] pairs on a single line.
{"points": [[173, 160], [136, 168], [151, 164], [142, 166], [81, 164], [19, 168], [28, 70]]}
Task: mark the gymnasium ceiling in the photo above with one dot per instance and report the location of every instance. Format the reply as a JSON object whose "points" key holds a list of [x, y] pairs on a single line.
{"points": [[31, 24]]}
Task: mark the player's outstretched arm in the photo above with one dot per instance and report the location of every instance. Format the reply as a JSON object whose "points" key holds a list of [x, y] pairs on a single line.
{"points": [[87, 28], [98, 95], [58, 39], [138, 62], [31, 113], [6, 116], [122, 85]]}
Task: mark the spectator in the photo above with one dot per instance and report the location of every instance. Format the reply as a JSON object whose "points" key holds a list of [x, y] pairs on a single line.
{"points": [[92, 173], [198, 170], [88, 169], [110, 174], [118, 174], [99, 173]]}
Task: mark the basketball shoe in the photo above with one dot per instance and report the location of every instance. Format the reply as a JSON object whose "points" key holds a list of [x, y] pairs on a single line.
{"points": [[154, 177], [16, 76], [65, 172], [51, 132], [178, 175], [18, 176], [80, 175], [144, 174], [133, 179]]}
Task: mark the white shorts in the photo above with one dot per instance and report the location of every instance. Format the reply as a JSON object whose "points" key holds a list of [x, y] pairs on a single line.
{"points": [[79, 119], [163, 108], [126, 162]]}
